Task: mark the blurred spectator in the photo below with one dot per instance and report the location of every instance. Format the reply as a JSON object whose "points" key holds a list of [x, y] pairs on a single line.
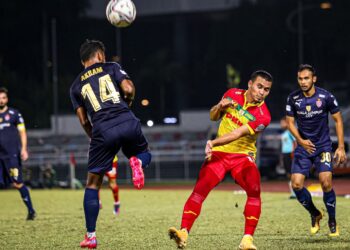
{"points": [[288, 145], [47, 176]]}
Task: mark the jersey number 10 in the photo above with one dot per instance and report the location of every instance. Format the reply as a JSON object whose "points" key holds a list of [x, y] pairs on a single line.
{"points": [[107, 92]]}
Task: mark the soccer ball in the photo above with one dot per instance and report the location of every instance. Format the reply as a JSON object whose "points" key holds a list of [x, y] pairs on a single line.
{"points": [[121, 13]]}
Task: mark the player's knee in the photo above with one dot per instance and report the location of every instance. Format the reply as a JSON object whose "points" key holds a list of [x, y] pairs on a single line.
{"points": [[326, 186], [297, 185], [145, 158]]}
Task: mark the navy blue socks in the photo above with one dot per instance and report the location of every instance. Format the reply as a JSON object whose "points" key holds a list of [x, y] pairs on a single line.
{"points": [[304, 197], [26, 198], [145, 158], [91, 208], [330, 202]]}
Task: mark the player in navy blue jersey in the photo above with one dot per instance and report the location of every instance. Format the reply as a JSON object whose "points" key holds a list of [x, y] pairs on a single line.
{"points": [[13, 149], [309, 108], [103, 91]]}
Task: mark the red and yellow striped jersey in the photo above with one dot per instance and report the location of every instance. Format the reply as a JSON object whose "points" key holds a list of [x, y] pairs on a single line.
{"points": [[256, 116]]}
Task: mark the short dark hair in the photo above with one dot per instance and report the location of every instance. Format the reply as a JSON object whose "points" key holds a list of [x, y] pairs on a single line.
{"points": [[307, 67], [4, 90], [262, 73], [89, 48]]}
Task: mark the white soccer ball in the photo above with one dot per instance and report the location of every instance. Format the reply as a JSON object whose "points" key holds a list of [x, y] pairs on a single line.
{"points": [[121, 13]]}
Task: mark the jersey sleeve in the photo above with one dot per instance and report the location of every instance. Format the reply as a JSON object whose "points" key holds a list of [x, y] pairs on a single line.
{"points": [[332, 104], [228, 94], [76, 98], [119, 73], [290, 109], [260, 123]]}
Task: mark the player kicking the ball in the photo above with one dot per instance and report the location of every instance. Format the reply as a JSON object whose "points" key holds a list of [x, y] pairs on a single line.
{"points": [[244, 115], [104, 92]]}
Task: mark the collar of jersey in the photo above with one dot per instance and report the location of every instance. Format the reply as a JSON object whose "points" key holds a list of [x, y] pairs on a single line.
{"points": [[310, 96], [247, 105]]}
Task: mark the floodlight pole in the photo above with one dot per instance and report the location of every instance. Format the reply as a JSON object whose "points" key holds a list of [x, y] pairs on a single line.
{"points": [[54, 74], [300, 33]]}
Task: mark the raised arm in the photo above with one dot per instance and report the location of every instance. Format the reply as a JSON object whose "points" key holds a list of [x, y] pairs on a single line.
{"points": [[128, 91], [339, 154], [306, 144], [217, 111], [84, 121]]}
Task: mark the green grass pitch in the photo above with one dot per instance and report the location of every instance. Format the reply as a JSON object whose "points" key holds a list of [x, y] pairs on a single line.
{"points": [[147, 214]]}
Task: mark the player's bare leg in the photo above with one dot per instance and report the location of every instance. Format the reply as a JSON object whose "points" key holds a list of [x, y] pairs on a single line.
{"points": [[115, 190]]}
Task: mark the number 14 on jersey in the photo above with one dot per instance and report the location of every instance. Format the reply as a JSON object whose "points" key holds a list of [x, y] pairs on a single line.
{"points": [[106, 89]]}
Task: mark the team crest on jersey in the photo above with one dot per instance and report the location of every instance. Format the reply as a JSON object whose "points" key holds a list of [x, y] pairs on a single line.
{"points": [[308, 108], [319, 103], [7, 117]]}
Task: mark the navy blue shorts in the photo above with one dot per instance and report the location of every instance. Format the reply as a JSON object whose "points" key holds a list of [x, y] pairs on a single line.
{"points": [[105, 145], [10, 171], [302, 164]]}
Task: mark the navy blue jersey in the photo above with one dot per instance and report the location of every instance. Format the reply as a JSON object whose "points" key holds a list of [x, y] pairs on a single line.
{"points": [[98, 90], [311, 115], [10, 143]]}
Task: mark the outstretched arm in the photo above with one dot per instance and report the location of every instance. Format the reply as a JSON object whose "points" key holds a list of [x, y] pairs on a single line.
{"points": [[339, 154], [306, 144], [84, 121]]}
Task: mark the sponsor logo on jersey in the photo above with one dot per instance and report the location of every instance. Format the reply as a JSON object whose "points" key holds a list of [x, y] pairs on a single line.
{"points": [[319, 103], [238, 92], [308, 108], [234, 119], [298, 104], [245, 113]]}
